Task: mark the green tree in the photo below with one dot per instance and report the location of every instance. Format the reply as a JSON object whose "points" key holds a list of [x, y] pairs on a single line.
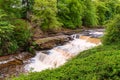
{"points": [[70, 13], [7, 43], [27, 7], [14, 34], [106, 9], [44, 14], [112, 34], [11, 7], [89, 16], [101, 10]]}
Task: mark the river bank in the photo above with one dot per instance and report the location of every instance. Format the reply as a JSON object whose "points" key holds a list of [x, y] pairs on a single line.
{"points": [[17, 63], [99, 63]]}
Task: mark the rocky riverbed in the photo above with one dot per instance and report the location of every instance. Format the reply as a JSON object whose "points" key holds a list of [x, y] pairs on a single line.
{"points": [[13, 65]]}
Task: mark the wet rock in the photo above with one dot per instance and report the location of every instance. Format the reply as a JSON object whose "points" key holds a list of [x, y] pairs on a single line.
{"points": [[50, 42], [13, 65], [91, 39], [94, 33]]}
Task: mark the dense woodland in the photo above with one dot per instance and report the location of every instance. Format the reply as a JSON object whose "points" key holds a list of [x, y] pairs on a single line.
{"points": [[16, 17]]}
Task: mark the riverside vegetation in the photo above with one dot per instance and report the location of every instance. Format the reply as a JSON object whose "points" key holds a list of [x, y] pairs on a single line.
{"points": [[100, 63], [17, 18]]}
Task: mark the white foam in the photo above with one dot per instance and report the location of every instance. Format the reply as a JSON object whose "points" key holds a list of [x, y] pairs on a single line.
{"points": [[56, 57], [97, 33]]}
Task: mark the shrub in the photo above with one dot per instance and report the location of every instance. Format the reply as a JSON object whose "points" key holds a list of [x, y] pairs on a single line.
{"points": [[13, 36], [21, 32], [112, 34], [7, 41]]}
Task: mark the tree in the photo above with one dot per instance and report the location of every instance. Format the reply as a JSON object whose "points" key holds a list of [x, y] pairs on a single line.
{"points": [[44, 14], [106, 9], [101, 10], [70, 13], [11, 7], [112, 34], [27, 7], [89, 16]]}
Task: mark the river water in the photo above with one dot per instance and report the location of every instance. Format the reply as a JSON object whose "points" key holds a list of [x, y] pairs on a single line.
{"points": [[59, 55], [14, 65]]}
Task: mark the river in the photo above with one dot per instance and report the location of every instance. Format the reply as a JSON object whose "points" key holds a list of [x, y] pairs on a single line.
{"points": [[52, 58], [59, 55]]}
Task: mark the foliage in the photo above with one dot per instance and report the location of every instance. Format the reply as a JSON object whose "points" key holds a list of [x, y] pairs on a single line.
{"points": [[51, 15], [21, 32], [7, 44], [101, 11], [118, 8], [45, 12], [6, 35], [88, 65], [27, 8], [112, 31], [2, 14], [70, 13], [106, 9], [13, 34], [11, 7], [112, 5], [89, 16]]}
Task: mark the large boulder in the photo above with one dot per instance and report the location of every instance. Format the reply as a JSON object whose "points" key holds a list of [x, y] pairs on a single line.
{"points": [[50, 42]]}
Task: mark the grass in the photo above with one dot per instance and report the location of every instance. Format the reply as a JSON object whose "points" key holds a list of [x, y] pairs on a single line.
{"points": [[100, 63]]}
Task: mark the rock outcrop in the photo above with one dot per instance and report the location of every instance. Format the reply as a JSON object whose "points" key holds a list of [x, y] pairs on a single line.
{"points": [[50, 42], [13, 65]]}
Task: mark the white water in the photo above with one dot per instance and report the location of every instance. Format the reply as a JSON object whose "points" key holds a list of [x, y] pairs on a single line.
{"points": [[58, 55]]}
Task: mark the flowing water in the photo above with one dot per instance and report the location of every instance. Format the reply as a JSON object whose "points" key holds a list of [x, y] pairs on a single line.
{"points": [[59, 55]]}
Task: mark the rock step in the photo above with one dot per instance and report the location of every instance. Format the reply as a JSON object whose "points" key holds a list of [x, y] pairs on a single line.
{"points": [[50, 42], [91, 40]]}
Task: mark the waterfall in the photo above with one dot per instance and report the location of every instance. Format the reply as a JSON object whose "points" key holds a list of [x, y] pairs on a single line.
{"points": [[61, 54]]}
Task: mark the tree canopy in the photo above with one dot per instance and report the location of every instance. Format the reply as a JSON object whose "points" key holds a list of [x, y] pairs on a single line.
{"points": [[50, 15]]}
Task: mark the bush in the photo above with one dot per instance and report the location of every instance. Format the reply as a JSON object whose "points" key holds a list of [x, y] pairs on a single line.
{"points": [[13, 36], [112, 34], [7, 41], [21, 32]]}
